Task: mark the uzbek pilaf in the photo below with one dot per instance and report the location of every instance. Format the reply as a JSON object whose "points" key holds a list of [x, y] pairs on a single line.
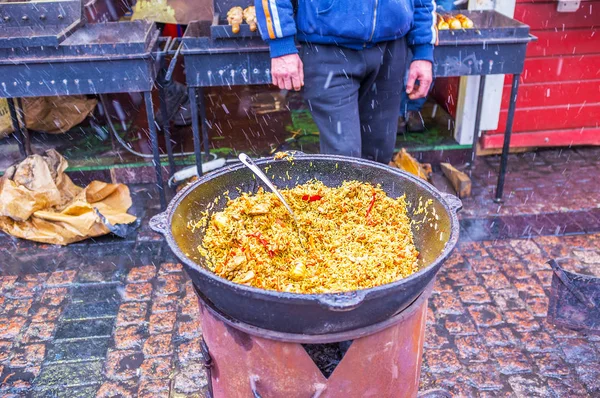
{"points": [[354, 237]]}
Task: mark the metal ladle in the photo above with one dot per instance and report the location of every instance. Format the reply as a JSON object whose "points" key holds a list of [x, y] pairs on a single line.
{"points": [[249, 163]]}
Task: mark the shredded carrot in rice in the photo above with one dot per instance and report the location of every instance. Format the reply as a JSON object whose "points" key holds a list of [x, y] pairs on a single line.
{"points": [[353, 237]]}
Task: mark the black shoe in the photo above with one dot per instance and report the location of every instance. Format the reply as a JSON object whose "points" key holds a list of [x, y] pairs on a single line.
{"points": [[175, 96], [414, 122]]}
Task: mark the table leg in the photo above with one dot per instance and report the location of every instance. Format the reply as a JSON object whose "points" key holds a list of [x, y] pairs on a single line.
{"points": [[166, 126], [202, 108], [195, 128], [18, 133], [155, 150], [477, 122], [506, 147], [26, 140]]}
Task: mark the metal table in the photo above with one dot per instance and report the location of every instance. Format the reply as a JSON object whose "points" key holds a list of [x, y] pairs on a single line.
{"points": [[213, 56], [46, 50]]}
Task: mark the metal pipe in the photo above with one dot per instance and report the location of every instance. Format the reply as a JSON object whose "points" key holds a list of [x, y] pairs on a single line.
{"points": [[18, 134], [478, 111], [155, 149], [202, 109], [195, 128], [506, 147], [165, 124]]}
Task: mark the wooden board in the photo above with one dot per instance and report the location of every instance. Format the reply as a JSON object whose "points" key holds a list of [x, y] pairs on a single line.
{"points": [[459, 180], [551, 138]]}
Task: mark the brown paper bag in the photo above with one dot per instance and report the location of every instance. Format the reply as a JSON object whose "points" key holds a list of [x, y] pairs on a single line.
{"points": [[52, 115], [39, 202]]}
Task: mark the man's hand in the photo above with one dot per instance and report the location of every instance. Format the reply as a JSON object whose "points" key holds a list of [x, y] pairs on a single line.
{"points": [[288, 72], [419, 70]]}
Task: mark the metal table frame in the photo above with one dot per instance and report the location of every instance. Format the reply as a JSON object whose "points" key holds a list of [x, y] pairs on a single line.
{"points": [[451, 58], [107, 69]]}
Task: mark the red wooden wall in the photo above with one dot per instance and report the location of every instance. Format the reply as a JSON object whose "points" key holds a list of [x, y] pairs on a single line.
{"points": [[559, 95]]}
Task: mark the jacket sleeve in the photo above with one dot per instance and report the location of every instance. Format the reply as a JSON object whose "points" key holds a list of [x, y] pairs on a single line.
{"points": [[277, 26], [422, 35]]}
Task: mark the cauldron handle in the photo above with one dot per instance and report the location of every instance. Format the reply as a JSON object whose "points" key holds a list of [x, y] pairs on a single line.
{"points": [[453, 202], [342, 301], [158, 223]]}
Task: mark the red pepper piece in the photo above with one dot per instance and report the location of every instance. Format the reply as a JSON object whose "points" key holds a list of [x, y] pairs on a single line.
{"points": [[263, 242], [371, 205], [311, 198]]}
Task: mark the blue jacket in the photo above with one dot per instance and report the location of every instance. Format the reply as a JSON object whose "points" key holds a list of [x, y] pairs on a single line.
{"points": [[354, 24]]}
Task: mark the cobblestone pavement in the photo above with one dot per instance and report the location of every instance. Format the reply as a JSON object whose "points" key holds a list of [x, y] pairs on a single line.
{"points": [[113, 317]]}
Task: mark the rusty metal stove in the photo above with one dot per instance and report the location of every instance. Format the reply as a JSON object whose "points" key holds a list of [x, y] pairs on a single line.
{"points": [[46, 49], [381, 360]]}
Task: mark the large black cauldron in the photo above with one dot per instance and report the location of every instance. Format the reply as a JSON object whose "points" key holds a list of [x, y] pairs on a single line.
{"points": [[311, 313]]}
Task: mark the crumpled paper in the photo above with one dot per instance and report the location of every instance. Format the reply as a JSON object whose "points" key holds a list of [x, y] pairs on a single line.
{"points": [[39, 202]]}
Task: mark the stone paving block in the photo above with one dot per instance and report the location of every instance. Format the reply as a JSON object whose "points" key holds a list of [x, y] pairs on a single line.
{"points": [[544, 277], [27, 355], [117, 390], [551, 364], [484, 377], [164, 304], [168, 268], [122, 365], [5, 351], [91, 310], [189, 328], [41, 331], [158, 345], [141, 274], [512, 361], [485, 316], [508, 300], [462, 277], [156, 368], [137, 292], [6, 282], [87, 349], [460, 325], [529, 386], [538, 342], [442, 361], [53, 297], [129, 337], [502, 254], [131, 314], [38, 278], [434, 338], [11, 326], [471, 349], [495, 281], [13, 307], [587, 256], [162, 322], [191, 379], [578, 351], [20, 291], [516, 271], [70, 374], [154, 389], [46, 314], [442, 284], [529, 288], [525, 246], [85, 328], [566, 387], [61, 278], [474, 294], [447, 304], [189, 351], [168, 284], [484, 265], [472, 249], [589, 374]]}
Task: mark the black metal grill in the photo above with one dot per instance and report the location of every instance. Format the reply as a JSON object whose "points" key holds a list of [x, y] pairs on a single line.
{"points": [[47, 50]]}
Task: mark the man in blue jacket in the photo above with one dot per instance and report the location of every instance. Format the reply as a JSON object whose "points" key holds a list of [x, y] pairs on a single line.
{"points": [[352, 64]]}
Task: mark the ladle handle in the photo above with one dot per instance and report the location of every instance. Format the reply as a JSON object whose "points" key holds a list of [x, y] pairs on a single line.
{"points": [[245, 159]]}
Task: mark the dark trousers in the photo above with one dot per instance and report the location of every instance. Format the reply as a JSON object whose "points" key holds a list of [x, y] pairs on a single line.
{"points": [[354, 97]]}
